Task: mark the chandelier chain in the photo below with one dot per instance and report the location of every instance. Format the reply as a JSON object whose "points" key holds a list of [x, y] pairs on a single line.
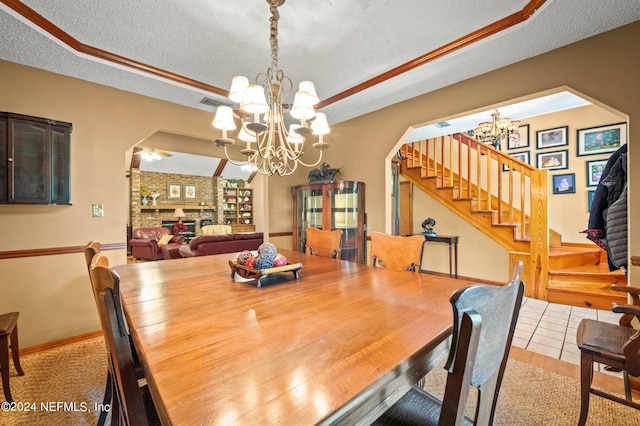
{"points": [[275, 16]]}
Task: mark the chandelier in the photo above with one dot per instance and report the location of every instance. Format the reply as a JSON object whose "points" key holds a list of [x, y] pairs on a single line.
{"points": [[495, 131], [271, 147]]}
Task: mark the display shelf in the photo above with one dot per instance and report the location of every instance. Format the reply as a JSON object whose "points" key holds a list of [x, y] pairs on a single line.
{"points": [[329, 206]]}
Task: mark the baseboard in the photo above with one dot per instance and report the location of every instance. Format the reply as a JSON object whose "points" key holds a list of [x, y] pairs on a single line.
{"points": [[58, 343]]}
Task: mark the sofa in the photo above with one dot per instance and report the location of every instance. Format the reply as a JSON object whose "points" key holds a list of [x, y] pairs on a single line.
{"points": [[205, 245], [145, 243]]}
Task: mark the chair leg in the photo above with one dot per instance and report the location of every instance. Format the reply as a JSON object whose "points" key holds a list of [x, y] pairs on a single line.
{"points": [[108, 392], [586, 378], [4, 367], [627, 385], [15, 351]]}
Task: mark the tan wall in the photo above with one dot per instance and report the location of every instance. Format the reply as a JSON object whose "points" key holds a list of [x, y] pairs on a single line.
{"points": [[52, 292]]}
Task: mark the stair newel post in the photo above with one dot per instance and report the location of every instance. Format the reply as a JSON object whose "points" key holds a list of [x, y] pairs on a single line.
{"points": [[539, 234]]}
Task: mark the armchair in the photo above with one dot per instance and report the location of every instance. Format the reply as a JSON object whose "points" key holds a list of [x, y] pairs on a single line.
{"points": [[144, 244]]}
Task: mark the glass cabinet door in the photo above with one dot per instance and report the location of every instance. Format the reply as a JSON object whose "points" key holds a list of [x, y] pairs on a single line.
{"points": [[60, 165], [31, 159], [344, 216], [4, 176], [309, 213], [330, 206]]}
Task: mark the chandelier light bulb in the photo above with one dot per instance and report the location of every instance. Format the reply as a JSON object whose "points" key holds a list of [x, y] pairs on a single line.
{"points": [[310, 89], [303, 106], [223, 119], [320, 125], [254, 100], [246, 136], [293, 136], [239, 86]]}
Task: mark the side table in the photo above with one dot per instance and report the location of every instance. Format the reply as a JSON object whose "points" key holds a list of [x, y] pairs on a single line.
{"points": [[453, 248]]}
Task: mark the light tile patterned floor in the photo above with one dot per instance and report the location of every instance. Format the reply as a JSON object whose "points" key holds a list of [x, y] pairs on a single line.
{"points": [[550, 329]]}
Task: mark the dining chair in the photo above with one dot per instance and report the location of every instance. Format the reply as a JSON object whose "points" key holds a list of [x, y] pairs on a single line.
{"points": [[484, 320], [323, 243], [91, 249], [616, 346], [396, 252], [134, 403], [93, 257]]}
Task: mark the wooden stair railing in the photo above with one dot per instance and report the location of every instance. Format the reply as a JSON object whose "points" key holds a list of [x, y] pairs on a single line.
{"points": [[511, 192]]}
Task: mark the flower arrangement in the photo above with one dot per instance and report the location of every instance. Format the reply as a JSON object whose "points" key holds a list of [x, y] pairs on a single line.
{"points": [[144, 190], [154, 195]]}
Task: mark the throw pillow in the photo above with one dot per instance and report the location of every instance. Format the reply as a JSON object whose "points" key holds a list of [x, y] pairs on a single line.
{"points": [[164, 240]]}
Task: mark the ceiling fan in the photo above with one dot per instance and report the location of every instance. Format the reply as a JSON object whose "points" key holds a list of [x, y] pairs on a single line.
{"points": [[152, 154]]}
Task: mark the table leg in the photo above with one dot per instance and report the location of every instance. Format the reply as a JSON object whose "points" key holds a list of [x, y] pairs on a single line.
{"points": [[455, 247]]}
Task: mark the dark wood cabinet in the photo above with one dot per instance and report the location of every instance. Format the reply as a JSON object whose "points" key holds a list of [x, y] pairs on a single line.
{"points": [[34, 160], [329, 206]]}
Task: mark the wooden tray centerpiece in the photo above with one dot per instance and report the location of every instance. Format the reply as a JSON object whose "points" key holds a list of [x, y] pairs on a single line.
{"points": [[258, 274]]}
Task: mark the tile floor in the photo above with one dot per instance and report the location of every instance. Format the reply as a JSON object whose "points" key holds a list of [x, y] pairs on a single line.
{"points": [[550, 329]]}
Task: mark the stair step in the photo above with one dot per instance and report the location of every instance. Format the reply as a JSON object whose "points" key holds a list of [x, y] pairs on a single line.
{"points": [[568, 257], [586, 297]]}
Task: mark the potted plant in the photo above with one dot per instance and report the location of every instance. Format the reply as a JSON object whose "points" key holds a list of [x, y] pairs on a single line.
{"points": [[144, 193]]}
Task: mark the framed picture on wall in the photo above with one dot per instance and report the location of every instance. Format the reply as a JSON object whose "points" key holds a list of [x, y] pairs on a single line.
{"points": [[594, 171], [174, 191], [564, 184], [554, 160], [552, 137], [189, 192], [601, 139], [590, 196], [523, 156], [521, 140]]}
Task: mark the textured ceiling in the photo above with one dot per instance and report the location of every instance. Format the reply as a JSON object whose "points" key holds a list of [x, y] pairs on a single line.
{"points": [[339, 45]]}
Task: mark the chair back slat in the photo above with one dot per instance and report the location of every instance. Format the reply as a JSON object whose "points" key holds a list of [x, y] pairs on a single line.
{"points": [[323, 243], [396, 252]]}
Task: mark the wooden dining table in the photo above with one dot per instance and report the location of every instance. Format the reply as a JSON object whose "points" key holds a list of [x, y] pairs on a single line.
{"points": [[338, 345]]}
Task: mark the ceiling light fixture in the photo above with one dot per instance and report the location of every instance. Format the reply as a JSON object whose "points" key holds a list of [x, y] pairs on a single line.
{"points": [[495, 131], [278, 148], [151, 155]]}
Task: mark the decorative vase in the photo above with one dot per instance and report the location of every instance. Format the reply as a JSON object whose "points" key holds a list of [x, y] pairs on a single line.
{"points": [[153, 201], [145, 200]]}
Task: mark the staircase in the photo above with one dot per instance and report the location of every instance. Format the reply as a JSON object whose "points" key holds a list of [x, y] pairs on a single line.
{"points": [[499, 195]]}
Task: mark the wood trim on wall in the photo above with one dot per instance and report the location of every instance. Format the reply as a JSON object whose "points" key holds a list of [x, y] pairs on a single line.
{"points": [[505, 23], [50, 251], [59, 343]]}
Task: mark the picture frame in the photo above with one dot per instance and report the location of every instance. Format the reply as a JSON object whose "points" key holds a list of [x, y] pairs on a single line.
{"points": [[524, 156], [554, 160], [549, 138], [594, 171], [590, 196], [564, 183], [601, 139], [174, 191], [189, 191], [522, 141]]}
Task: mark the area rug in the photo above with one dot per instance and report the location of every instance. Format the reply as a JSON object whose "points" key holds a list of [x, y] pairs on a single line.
{"points": [[62, 387], [533, 396]]}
